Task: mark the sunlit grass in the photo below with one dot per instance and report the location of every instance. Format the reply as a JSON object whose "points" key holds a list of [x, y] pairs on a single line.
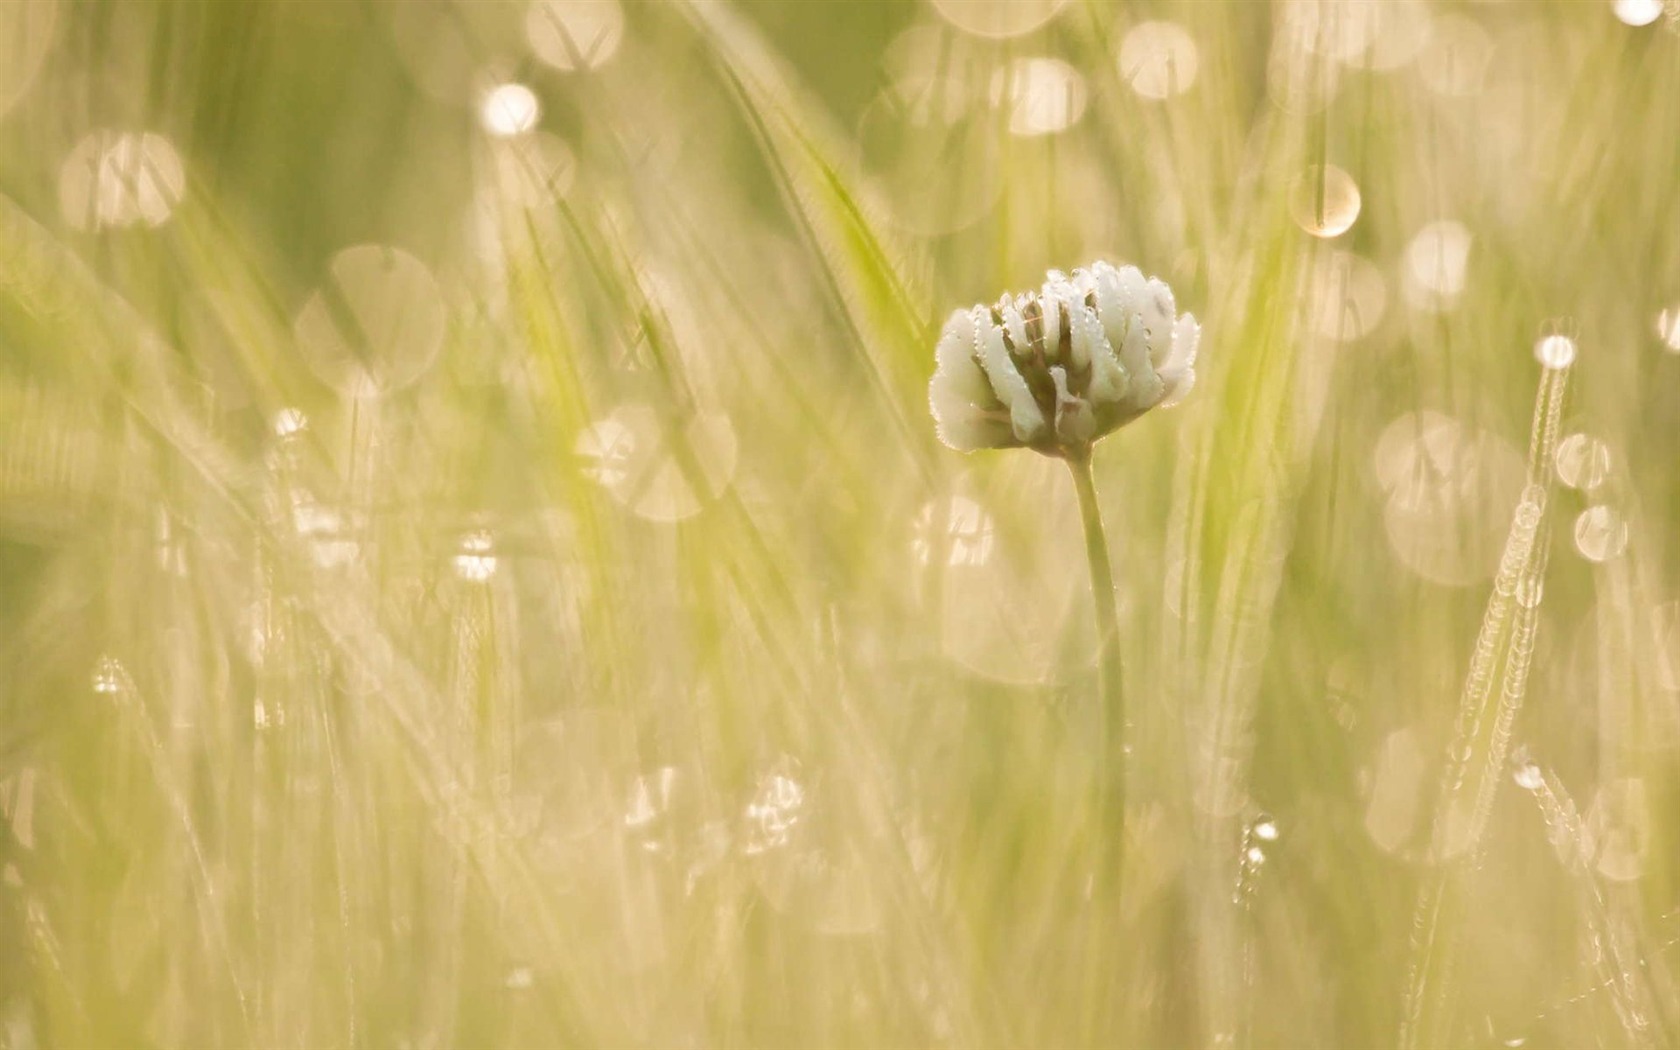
{"points": [[476, 565]]}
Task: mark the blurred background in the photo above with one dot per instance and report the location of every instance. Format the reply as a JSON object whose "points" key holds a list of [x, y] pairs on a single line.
{"points": [[476, 567]]}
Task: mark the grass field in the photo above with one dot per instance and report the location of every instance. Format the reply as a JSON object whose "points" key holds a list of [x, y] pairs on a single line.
{"points": [[477, 567]]}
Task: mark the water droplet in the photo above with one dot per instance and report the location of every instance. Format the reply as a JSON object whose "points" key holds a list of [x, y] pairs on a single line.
{"points": [[1350, 297], [1158, 59], [630, 453], [376, 325], [1638, 12], [1600, 534], [1324, 201], [290, 422], [1668, 328], [120, 179], [1530, 590], [509, 110], [1525, 772], [329, 536], [772, 814], [1041, 95], [575, 34], [1619, 829], [535, 170], [1555, 351], [475, 559], [1265, 829], [108, 676], [27, 28], [650, 800], [1437, 259], [1255, 856], [957, 529], [1455, 61], [1583, 462], [998, 19]]}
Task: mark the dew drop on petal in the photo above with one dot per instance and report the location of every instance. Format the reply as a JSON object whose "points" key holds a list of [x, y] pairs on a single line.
{"points": [[1583, 462], [1600, 534], [1324, 201], [1158, 59], [509, 110], [1555, 351], [575, 34]]}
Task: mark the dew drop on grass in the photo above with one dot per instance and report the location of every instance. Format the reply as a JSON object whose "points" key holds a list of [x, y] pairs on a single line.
{"points": [[1525, 772], [1600, 534], [1437, 259], [631, 453], [509, 110], [1638, 12], [575, 34], [1668, 329], [772, 814], [375, 325], [1158, 59], [289, 422], [1350, 297], [475, 556], [1454, 61], [1583, 462], [107, 676], [1324, 201], [957, 530], [998, 19], [26, 34], [1041, 95], [1265, 828], [120, 179], [1555, 351]]}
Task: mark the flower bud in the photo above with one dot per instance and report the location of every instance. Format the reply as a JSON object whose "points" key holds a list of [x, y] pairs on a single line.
{"points": [[1057, 369]]}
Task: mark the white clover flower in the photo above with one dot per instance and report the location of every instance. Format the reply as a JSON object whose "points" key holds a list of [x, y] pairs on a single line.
{"points": [[1057, 369]]}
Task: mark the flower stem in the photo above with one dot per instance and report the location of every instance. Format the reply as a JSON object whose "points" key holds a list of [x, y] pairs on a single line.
{"points": [[1111, 767]]}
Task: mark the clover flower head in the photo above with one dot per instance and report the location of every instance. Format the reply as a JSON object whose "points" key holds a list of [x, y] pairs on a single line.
{"points": [[1057, 369]]}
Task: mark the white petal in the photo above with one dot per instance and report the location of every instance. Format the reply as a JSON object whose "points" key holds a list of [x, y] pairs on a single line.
{"points": [[1145, 386], [1158, 312], [1011, 389], [1178, 388], [1186, 334]]}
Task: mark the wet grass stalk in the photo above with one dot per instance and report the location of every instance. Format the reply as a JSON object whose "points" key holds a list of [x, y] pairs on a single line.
{"points": [[1111, 765], [1476, 758]]}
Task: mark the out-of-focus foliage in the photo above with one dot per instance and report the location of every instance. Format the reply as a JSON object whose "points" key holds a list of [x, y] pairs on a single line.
{"points": [[476, 567]]}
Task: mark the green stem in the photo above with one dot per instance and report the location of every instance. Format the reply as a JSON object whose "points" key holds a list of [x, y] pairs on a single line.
{"points": [[1112, 762]]}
